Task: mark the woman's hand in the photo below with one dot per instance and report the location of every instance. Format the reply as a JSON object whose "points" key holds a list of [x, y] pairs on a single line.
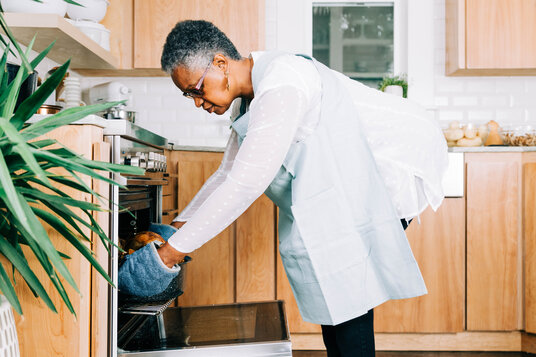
{"points": [[177, 224], [169, 255]]}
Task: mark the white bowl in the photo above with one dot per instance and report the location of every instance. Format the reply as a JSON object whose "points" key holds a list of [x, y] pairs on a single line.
{"points": [[95, 31], [92, 10], [58, 7]]}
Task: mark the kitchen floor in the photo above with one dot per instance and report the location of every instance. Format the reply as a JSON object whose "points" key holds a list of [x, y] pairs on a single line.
{"points": [[423, 354]]}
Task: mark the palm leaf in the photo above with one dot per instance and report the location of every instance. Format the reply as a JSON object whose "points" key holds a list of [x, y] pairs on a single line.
{"points": [[55, 223], [22, 266], [22, 148], [41, 256], [8, 290]]}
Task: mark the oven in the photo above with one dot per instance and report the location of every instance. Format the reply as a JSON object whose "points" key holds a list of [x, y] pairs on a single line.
{"points": [[138, 204], [152, 328]]}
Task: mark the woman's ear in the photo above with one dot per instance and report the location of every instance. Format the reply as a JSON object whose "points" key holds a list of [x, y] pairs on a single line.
{"points": [[221, 62]]}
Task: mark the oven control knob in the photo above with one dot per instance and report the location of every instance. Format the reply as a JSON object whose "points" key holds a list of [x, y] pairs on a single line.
{"points": [[143, 159], [134, 161]]}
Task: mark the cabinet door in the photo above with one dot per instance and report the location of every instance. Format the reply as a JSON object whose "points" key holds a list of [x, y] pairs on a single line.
{"points": [[529, 196], [490, 37], [210, 276], [438, 244], [119, 20], [500, 33], [493, 241], [241, 20], [255, 252]]}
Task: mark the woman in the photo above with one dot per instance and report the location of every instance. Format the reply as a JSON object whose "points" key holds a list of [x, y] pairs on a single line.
{"points": [[343, 162]]}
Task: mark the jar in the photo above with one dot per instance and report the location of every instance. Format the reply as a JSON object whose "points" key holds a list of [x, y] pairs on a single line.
{"points": [[519, 135]]}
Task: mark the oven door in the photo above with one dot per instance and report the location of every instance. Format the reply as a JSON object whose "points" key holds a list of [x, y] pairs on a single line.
{"points": [[243, 329]]}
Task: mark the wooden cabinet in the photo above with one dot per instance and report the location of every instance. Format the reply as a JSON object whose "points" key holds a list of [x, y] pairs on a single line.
{"points": [[438, 244], [42, 332], [139, 29], [493, 241], [490, 37], [529, 235], [238, 264], [500, 241]]}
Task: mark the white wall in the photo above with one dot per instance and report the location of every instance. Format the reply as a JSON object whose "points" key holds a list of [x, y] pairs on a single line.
{"points": [[162, 109]]}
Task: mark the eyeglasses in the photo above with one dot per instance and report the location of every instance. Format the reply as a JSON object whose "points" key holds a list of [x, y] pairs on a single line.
{"points": [[197, 92]]}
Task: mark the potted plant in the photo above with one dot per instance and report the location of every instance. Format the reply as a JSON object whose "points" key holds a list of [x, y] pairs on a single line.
{"points": [[397, 85], [29, 181]]}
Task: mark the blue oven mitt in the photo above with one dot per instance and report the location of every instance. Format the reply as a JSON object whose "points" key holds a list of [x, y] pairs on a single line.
{"points": [[143, 273], [165, 230]]}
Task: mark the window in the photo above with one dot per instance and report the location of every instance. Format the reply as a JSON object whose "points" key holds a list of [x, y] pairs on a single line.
{"points": [[358, 39]]}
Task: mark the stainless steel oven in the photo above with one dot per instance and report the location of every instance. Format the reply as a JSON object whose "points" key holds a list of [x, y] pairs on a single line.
{"points": [[137, 206]]}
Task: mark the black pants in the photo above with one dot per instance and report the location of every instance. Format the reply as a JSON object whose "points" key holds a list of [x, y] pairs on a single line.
{"points": [[353, 338]]}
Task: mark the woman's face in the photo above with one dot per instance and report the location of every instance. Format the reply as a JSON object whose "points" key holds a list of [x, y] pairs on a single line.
{"points": [[207, 86]]}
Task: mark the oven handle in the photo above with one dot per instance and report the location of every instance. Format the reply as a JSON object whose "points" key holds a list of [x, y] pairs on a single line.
{"points": [[146, 182], [139, 181]]}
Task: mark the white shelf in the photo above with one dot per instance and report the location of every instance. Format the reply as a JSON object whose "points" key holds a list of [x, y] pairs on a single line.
{"points": [[70, 41]]}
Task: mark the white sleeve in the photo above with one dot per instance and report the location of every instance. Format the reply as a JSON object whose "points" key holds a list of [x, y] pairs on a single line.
{"points": [[274, 118], [213, 182]]}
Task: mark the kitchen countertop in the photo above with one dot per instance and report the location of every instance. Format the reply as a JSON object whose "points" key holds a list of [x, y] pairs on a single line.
{"points": [[87, 120], [492, 149]]}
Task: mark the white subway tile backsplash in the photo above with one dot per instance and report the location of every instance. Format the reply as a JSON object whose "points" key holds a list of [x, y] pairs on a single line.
{"points": [[441, 101], [510, 85], [510, 115], [161, 115], [450, 115], [480, 85], [530, 116], [495, 101], [177, 101], [449, 85], [480, 115], [161, 85], [530, 85], [146, 101], [524, 100], [206, 130], [464, 101]]}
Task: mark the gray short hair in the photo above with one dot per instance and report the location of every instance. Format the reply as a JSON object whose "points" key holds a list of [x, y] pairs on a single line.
{"points": [[194, 43]]}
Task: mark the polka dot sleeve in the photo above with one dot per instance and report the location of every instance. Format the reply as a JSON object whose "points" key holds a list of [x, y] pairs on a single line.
{"points": [[213, 182], [274, 118]]}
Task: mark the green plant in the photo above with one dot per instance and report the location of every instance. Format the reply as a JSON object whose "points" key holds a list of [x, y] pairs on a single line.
{"points": [[395, 81], [29, 181]]}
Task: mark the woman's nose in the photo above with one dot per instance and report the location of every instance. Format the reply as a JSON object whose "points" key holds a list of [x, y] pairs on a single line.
{"points": [[198, 101]]}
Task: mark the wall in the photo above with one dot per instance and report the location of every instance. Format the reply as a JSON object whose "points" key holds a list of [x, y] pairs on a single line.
{"points": [[162, 109]]}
